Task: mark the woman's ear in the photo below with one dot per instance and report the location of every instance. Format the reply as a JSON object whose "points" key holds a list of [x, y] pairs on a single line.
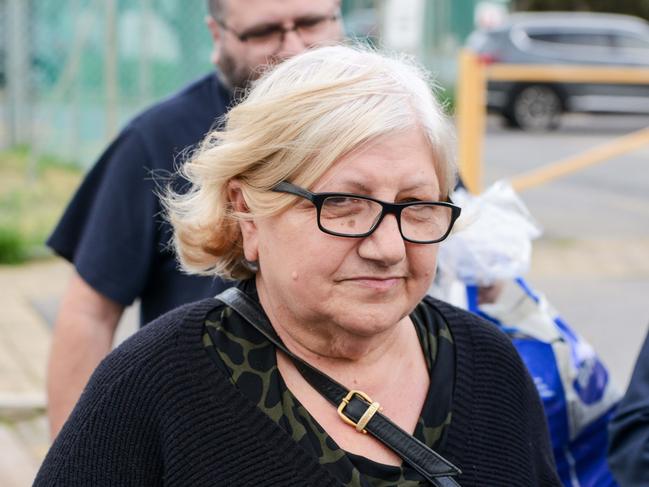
{"points": [[249, 232]]}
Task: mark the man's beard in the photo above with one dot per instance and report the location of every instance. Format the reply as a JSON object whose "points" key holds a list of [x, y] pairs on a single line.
{"points": [[238, 76]]}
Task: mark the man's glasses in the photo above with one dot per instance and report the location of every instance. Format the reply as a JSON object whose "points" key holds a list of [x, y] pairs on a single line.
{"points": [[271, 36], [351, 215]]}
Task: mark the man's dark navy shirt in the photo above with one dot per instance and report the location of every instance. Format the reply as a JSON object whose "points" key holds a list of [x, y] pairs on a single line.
{"points": [[113, 230], [628, 454]]}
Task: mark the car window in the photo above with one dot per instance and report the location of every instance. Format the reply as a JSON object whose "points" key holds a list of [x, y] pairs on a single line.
{"points": [[543, 37], [572, 38], [627, 40]]}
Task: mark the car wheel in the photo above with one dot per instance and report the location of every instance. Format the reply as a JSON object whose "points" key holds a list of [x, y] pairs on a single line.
{"points": [[534, 107]]}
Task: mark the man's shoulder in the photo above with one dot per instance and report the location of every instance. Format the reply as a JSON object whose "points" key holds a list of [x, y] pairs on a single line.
{"points": [[202, 100], [164, 131]]}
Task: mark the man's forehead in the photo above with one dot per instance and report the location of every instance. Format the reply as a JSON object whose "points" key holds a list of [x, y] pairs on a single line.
{"points": [[246, 13]]}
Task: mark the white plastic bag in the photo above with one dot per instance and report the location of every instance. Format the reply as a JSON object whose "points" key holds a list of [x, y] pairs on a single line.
{"points": [[493, 239]]}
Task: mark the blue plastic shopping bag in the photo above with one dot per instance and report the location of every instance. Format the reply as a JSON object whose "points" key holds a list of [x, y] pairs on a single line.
{"points": [[572, 382]]}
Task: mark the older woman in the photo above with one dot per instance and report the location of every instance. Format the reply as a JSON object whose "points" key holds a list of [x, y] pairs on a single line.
{"points": [[326, 194]]}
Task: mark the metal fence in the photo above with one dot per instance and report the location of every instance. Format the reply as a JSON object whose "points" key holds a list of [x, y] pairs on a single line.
{"points": [[72, 72]]}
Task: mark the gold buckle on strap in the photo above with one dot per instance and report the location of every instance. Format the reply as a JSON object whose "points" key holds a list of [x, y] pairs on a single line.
{"points": [[367, 415]]}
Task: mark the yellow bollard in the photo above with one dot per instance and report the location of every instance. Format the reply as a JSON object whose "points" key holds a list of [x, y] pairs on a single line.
{"points": [[471, 119], [471, 116]]}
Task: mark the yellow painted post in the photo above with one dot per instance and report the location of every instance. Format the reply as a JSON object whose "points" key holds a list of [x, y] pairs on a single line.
{"points": [[471, 119]]}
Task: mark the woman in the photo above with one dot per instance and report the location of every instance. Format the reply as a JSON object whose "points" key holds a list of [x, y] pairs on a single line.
{"points": [[326, 194]]}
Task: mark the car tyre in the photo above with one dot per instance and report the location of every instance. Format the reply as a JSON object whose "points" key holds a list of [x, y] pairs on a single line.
{"points": [[534, 107]]}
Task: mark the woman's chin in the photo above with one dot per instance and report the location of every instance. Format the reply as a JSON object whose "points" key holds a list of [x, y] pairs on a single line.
{"points": [[371, 320]]}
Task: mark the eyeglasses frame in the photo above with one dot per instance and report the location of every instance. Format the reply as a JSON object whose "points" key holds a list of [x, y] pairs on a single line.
{"points": [[244, 37], [386, 208]]}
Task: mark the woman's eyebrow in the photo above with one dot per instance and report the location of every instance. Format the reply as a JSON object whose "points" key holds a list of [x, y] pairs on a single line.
{"points": [[350, 186], [419, 186]]}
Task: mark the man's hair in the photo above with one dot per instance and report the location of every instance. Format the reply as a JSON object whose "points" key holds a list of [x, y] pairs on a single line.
{"points": [[216, 8], [297, 121]]}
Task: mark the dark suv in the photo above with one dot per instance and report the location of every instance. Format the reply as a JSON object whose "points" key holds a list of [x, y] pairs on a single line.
{"points": [[564, 38]]}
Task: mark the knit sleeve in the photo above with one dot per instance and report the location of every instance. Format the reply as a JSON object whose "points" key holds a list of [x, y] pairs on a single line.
{"points": [[521, 411], [113, 435], [108, 441], [518, 424], [498, 433]]}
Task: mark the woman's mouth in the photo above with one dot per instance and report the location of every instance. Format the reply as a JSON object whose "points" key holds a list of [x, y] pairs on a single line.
{"points": [[377, 283]]}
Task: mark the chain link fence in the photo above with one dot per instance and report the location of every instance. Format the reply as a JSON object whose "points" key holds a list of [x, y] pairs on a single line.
{"points": [[72, 72]]}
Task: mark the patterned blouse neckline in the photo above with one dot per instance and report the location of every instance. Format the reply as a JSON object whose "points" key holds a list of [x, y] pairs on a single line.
{"points": [[249, 360]]}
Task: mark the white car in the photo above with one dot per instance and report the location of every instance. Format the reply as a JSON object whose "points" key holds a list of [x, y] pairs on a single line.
{"points": [[564, 38]]}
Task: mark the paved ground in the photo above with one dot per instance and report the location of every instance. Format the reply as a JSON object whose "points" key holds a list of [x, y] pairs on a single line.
{"points": [[24, 342], [29, 297], [600, 287]]}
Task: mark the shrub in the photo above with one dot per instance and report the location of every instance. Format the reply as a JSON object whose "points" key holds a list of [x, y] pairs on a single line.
{"points": [[12, 246], [32, 198]]}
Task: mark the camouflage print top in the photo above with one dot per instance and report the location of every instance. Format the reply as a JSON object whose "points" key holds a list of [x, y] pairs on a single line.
{"points": [[249, 359]]}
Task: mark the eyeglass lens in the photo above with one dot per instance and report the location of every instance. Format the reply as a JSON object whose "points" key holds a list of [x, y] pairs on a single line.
{"points": [[307, 28], [356, 216]]}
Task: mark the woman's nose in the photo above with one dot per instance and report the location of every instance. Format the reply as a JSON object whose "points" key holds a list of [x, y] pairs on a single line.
{"points": [[385, 244]]}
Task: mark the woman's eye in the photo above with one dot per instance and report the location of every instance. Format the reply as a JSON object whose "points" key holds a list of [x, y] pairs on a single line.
{"points": [[337, 200]]}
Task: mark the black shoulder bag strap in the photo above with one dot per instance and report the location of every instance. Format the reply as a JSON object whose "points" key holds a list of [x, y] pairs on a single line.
{"points": [[354, 407]]}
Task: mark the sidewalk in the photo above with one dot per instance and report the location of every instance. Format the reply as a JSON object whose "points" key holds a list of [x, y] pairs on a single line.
{"points": [[612, 258], [600, 288], [30, 295], [29, 299], [24, 344]]}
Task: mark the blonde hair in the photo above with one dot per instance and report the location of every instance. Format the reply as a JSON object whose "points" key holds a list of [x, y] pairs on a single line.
{"points": [[297, 121]]}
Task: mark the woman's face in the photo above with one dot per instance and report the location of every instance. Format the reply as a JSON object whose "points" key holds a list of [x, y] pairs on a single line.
{"points": [[359, 286]]}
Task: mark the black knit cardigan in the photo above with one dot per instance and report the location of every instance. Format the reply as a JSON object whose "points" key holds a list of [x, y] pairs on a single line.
{"points": [[157, 411]]}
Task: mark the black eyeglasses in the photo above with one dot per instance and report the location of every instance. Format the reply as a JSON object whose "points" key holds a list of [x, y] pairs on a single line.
{"points": [[352, 215], [309, 28]]}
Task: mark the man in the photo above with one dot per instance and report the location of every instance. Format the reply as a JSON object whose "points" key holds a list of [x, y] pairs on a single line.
{"points": [[112, 230], [628, 449]]}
